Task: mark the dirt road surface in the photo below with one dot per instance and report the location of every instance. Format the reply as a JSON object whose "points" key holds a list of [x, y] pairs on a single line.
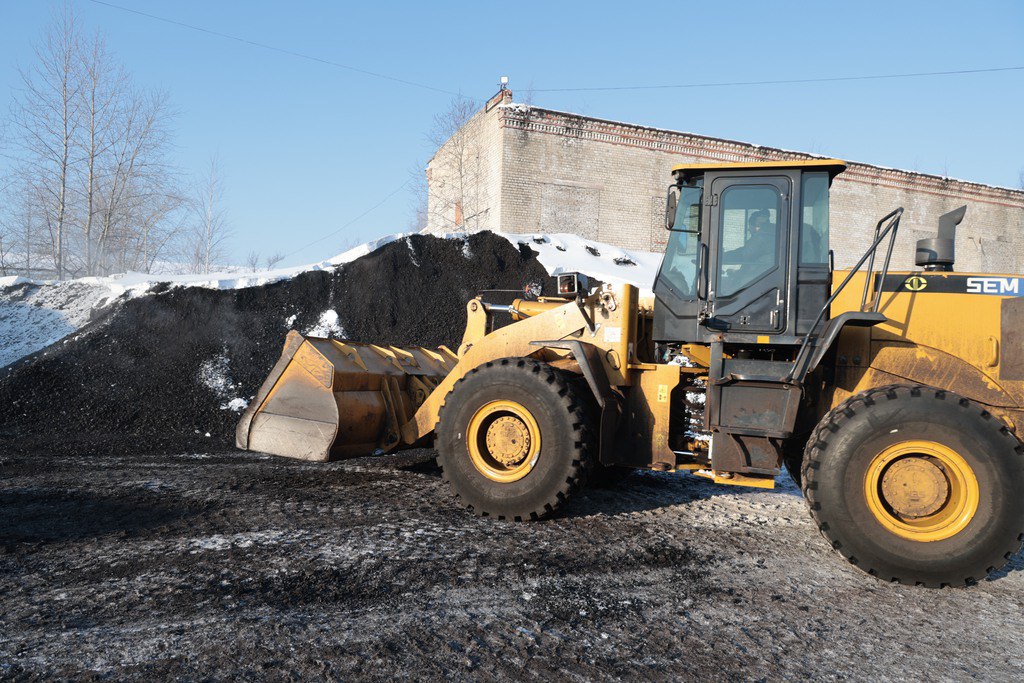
{"points": [[240, 565]]}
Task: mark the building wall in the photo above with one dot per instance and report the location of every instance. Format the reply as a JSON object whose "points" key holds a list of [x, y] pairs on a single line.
{"points": [[464, 177], [559, 172]]}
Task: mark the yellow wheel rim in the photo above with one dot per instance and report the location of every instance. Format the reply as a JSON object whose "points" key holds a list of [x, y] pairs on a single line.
{"points": [[921, 490], [504, 441]]}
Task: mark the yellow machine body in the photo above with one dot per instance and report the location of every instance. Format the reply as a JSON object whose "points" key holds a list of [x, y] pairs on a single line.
{"points": [[329, 399], [729, 385], [961, 332]]}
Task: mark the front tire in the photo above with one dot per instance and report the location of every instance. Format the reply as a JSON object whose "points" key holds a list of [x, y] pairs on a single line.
{"points": [[917, 485], [515, 439]]}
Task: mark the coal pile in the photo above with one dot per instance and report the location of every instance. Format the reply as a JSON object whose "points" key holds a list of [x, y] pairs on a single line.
{"points": [[169, 372]]}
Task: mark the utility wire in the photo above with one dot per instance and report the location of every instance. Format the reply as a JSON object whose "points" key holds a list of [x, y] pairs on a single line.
{"points": [[395, 79], [273, 48], [364, 213], [783, 81]]}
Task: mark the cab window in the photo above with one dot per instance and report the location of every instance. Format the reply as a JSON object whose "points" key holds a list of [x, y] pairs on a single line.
{"points": [[679, 267], [814, 219], [749, 236]]}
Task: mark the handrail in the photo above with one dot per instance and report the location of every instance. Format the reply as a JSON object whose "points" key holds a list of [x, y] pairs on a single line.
{"points": [[880, 234], [895, 216]]}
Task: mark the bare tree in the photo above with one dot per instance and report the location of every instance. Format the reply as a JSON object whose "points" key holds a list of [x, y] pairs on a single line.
{"points": [[136, 179], [454, 197], [274, 259], [95, 192], [210, 229], [103, 84], [1020, 179], [8, 234], [420, 199], [527, 96], [252, 261], [46, 118], [157, 228], [7, 240]]}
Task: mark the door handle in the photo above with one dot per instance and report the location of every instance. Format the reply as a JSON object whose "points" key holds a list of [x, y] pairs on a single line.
{"points": [[702, 273]]}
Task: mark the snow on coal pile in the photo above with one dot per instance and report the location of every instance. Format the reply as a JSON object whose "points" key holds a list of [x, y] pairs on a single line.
{"points": [[170, 371]]}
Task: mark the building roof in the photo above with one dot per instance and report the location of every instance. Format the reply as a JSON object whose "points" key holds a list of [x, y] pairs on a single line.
{"points": [[864, 171]]}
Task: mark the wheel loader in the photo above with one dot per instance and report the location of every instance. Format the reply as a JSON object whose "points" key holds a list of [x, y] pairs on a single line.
{"points": [[895, 399]]}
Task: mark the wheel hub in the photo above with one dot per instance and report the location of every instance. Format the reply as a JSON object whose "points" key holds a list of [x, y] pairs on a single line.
{"points": [[508, 440], [915, 487], [921, 490], [504, 441]]}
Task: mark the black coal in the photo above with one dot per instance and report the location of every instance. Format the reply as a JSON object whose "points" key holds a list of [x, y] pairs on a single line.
{"points": [[156, 374]]}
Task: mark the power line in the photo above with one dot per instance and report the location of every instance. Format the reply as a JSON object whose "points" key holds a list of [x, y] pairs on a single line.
{"points": [[783, 81], [273, 48], [364, 213], [403, 81]]}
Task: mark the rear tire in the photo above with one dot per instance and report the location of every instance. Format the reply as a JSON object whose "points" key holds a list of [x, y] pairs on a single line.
{"points": [[515, 439], [917, 485]]}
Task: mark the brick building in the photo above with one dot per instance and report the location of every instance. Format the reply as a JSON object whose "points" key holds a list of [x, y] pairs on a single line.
{"points": [[518, 168]]}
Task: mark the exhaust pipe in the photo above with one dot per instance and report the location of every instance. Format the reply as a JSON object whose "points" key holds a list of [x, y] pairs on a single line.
{"points": [[937, 254]]}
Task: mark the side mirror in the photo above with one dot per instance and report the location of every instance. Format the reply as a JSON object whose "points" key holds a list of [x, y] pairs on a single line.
{"points": [[671, 205]]}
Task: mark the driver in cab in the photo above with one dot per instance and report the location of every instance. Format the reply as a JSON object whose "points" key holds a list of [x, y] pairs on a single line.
{"points": [[753, 257], [760, 244]]}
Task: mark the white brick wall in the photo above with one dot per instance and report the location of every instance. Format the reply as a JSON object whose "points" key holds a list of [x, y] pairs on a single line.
{"points": [[550, 171]]}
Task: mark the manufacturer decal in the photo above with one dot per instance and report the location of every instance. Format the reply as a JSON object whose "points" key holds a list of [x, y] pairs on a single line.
{"points": [[1000, 286], [915, 283], [934, 283]]}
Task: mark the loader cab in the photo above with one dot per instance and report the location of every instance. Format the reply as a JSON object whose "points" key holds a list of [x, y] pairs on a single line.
{"points": [[747, 259]]}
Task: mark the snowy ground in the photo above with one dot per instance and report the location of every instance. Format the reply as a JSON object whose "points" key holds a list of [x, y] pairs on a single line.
{"points": [[32, 316], [242, 566]]}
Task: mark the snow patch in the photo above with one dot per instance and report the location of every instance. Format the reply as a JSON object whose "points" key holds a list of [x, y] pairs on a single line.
{"points": [[412, 252], [565, 253], [34, 317], [327, 326], [239, 540], [215, 375], [11, 280], [235, 404]]}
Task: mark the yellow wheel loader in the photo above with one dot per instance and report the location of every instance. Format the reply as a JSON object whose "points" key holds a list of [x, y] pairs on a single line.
{"points": [[895, 399]]}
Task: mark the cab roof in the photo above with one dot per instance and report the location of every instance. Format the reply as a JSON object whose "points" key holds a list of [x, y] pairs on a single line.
{"points": [[833, 166]]}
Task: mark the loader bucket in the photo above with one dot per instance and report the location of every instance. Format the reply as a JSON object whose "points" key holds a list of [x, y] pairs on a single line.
{"points": [[327, 399]]}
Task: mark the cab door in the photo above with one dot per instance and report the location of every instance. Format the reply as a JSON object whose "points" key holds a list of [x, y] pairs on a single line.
{"points": [[750, 220]]}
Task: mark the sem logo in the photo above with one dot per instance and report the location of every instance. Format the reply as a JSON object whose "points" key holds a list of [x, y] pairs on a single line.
{"points": [[915, 283], [994, 285]]}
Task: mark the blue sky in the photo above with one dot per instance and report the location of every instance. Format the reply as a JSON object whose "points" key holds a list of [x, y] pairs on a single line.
{"points": [[305, 147]]}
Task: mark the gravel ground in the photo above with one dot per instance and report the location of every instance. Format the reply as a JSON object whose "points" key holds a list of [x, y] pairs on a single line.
{"points": [[240, 565]]}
